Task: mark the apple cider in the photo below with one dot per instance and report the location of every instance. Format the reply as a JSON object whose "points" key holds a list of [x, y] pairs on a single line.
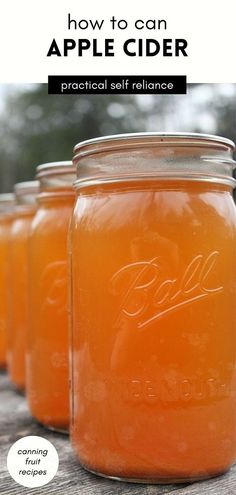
{"points": [[153, 338], [47, 353], [7, 202], [18, 316]]}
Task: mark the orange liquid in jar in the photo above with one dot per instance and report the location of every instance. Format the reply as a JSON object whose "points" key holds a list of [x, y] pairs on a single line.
{"points": [[18, 297], [153, 333], [5, 225], [47, 361]]}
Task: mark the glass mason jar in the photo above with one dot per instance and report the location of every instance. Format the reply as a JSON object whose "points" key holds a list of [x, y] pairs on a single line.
{"points": [[47, 356], [153, 241], [7, 202], [26, 194]]}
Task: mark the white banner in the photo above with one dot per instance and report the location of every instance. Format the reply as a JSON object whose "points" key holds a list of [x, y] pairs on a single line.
{"points": [[166, 37]]}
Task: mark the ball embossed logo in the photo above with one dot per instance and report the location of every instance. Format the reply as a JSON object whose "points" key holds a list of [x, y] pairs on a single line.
{"points": [[147, 295], [52, 283]]}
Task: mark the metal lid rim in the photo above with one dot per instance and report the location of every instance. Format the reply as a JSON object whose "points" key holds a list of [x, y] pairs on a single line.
{"points": [[165, 135]]}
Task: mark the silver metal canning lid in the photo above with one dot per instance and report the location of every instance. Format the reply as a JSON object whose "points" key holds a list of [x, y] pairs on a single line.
{"points": [[7, 198], [119, 141], [55, 168]]}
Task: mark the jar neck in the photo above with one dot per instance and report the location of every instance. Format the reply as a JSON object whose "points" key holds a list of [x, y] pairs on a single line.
{"points": [[151, 160], [4, 209], [56, 182], [58, 195], [25, 210], [26, 200]]}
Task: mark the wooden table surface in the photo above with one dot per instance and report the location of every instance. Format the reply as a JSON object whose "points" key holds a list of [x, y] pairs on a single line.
{"points": [[71, 479]]}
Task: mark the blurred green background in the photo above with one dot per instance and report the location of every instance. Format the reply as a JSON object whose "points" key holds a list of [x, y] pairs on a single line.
{"points": [[36, 127]]}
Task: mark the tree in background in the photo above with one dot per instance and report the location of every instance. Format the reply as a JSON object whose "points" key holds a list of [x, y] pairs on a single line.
{"points": [[36, 127]]}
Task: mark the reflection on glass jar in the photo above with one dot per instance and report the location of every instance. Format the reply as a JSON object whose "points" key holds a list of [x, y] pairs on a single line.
{"points": [[47, 357], [18, 318], [153, 307], [7, 202]]}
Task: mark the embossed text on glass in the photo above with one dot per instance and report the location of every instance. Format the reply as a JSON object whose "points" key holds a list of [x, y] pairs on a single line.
{"points": [[143, 286]]}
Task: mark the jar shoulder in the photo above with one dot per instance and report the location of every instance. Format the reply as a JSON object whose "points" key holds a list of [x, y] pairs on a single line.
{"points": [[141, 207]]}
